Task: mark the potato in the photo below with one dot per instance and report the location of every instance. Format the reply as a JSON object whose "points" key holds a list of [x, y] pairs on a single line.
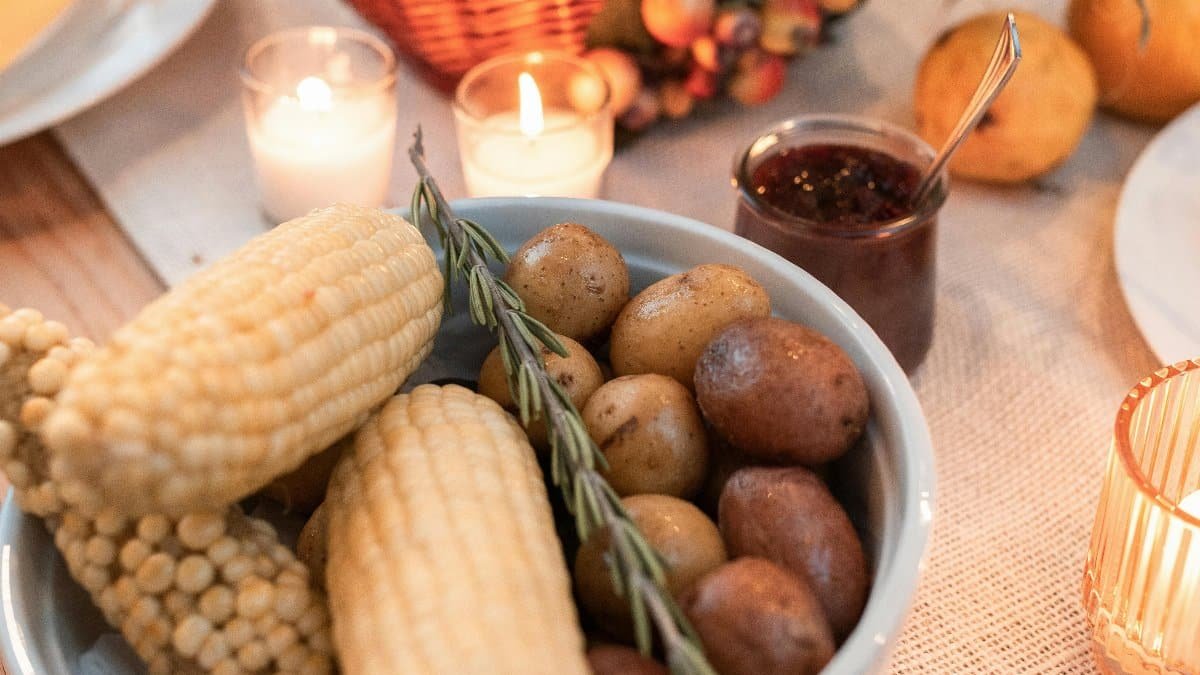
{"points": [[312, 546], [571, 279], [665, 327], [781, 392], [303, 489], [1154, 82], [622, 660], [1035, 123], [687, 540], [788, 516], [756, 618], [649, 429], [578, 375]]}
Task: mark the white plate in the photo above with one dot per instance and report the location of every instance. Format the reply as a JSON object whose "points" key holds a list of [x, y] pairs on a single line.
{"points": [[1157, 240], [136, 41], [886, 482]]}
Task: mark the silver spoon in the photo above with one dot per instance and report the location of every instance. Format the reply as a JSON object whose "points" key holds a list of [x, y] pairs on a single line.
{"points": [[1003, 64]]}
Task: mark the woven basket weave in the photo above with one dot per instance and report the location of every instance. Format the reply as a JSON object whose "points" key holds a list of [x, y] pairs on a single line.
{"points": [[445, 38]]}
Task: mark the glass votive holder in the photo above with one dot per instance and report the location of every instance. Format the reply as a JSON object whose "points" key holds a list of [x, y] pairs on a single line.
{"points": [[320, 106], [884, 268], [1141, 584], [538, 123]]}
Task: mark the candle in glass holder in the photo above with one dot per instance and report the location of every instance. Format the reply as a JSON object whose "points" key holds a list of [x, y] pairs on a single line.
{"points": [[1141, 587], [321, 118], [534, 124]]}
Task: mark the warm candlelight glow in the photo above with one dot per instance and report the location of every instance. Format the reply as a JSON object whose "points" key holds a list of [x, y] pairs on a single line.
{"points": [[314, 94], [541, 141], [532, 120]]}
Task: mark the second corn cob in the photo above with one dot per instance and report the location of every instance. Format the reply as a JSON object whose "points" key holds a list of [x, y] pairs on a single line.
{"points": [[208, 592], [249, 367], [442, 550]]}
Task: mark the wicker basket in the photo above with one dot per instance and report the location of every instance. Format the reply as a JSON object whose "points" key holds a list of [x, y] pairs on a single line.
{"points": [[445, 38]]}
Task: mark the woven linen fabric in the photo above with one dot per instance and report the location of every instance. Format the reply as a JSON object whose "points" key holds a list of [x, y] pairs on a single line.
{"points": [[1033, 352]]}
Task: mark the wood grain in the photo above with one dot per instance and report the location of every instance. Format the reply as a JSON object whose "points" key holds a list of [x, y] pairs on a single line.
{"points": [[60, 251]]}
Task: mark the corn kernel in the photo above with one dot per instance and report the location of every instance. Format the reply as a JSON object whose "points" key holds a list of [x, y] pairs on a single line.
{"points": [[213, 650], [46, 376], [238, 632], [194, 574], [217, 604], [133, 553], [255, 597], [198, 531], [155, 573], [190, 634]]}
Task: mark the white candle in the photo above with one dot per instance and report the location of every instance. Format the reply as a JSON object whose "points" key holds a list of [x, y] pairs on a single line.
{"points": [[535, 151], [315, 149]]}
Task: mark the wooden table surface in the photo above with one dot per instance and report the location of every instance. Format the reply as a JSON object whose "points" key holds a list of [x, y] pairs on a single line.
{"points": [[60, 250]]}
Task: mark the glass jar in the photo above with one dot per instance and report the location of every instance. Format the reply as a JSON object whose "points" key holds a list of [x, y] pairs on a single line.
{"points": [[884, 270]]}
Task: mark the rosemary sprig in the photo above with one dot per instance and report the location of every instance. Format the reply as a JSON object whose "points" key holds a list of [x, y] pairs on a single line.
{"points": [[637, 571]]}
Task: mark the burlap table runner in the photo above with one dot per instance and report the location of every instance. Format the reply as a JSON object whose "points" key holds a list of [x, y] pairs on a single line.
{"points": [[1034, 346]]}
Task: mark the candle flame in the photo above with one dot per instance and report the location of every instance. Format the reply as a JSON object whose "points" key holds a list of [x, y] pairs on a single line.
{"points": [[314, 94], [532, 121]]}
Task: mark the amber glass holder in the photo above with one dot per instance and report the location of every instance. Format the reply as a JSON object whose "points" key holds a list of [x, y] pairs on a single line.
{"points": [[1141, 585]]}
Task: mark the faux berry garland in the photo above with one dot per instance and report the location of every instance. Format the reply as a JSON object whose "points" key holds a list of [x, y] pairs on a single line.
{"points": [[661, 57]]}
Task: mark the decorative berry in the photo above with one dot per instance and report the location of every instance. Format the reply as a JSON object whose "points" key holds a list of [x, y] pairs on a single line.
{"points": [[677, 23], [707, 54], [790, 27], [675, 100], [739, 27], [701, 83], [758, 78], [621, 71], [644, 111]]}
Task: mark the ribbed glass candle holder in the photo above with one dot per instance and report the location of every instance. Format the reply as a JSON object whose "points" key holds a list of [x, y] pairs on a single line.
{"points": [[1141, 586]]}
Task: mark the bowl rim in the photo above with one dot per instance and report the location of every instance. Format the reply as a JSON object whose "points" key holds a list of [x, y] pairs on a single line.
{"points": [[894, 587]]}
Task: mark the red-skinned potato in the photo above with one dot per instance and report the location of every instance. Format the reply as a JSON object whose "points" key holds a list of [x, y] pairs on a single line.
{"points": [[781, 392], [622, 660], [756, 618], [788, 516]]}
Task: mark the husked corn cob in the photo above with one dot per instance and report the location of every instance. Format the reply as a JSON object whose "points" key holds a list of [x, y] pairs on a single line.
{"points": [[35, 356], [209, 592], [442, 551], [249, 367]]}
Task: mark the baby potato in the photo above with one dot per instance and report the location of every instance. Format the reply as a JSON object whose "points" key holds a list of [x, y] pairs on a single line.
{"points": [[571, 279], [578, 375], [788, 516], [687, 540], [312, 546], [781, 392], [303, 489], [650, 430], [665, 327], [756, 618], [622, 660]]}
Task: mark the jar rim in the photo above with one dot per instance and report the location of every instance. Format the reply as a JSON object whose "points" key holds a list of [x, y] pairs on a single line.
{"points": [[828, 122]]}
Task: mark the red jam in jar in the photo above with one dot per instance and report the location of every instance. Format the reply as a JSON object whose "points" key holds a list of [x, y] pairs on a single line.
{"points": [[837, 201]]}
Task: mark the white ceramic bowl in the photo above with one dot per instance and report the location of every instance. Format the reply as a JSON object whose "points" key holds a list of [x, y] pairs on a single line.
{"points": [[886, 483]]}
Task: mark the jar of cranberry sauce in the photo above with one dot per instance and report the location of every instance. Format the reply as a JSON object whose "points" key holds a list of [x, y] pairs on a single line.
{"points": [[833, 194]]}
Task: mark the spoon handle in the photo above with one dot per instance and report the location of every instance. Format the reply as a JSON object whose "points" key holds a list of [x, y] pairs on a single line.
{"points": [[1001, 68]]}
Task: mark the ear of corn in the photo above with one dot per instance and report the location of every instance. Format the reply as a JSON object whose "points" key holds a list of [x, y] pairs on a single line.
{"points": [[35, 356], [210, 592], [249, 367], [442, 551]]}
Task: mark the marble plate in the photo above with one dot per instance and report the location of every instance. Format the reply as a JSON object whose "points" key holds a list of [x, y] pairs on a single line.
{"points": [[1157, 240]]}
